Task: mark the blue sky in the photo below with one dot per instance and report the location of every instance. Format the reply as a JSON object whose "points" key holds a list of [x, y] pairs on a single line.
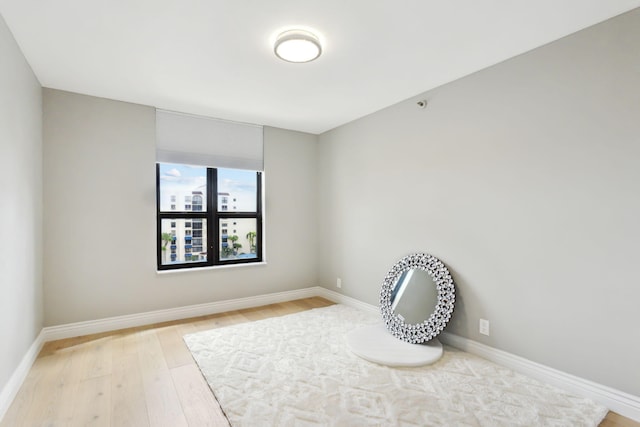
{"points": [[181, 180]]}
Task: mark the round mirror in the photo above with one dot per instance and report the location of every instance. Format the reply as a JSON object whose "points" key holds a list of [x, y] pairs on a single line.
{"points": [[417, 298], [414, 296]]}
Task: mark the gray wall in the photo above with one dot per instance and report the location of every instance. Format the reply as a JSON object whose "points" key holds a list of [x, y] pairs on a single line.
{"points": [[21, 201], [524, 179], [100, 233]]}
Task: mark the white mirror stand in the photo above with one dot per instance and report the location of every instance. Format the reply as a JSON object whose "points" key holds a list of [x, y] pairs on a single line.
{"points": [[375, 344]]}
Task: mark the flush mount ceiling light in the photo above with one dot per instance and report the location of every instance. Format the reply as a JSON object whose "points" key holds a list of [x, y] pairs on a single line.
{"points": [[297, 46]]}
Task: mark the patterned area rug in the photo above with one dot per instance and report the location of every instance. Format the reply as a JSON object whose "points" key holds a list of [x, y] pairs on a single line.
{"points": [[296, 370]]}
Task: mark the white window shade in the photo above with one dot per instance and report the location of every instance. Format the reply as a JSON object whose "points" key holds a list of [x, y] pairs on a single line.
{"points": [[203, 141]]}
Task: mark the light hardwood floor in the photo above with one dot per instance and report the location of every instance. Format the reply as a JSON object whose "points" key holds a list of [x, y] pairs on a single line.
{"points": [[138, 377]]}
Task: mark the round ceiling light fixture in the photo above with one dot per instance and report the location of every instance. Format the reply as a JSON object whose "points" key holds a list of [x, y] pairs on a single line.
{"points": [[297, 46]]}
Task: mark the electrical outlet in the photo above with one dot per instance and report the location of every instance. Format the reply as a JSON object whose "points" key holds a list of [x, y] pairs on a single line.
{"points": [[484, 327], [339, 282]]}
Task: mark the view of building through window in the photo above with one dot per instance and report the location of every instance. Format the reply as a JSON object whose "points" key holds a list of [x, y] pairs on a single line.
{"points": [[184, 219], [184, 240], [239, 239]]}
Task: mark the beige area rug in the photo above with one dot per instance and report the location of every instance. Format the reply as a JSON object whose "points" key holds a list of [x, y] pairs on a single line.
{"points": [[296, 370]]}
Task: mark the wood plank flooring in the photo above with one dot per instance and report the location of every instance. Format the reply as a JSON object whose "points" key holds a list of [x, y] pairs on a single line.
{"points": [[138, 377]]}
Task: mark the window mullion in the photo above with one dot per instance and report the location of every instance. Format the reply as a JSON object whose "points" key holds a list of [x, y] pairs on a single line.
{"points": [[158, 219], [182, 215], [213, 230], [259, 224]]}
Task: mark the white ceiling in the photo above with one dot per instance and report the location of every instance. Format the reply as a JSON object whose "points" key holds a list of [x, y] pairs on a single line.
{"points": [[215, 58]]}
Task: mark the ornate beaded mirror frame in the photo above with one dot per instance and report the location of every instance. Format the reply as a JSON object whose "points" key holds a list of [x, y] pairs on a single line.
{"points": [[435, 323]]}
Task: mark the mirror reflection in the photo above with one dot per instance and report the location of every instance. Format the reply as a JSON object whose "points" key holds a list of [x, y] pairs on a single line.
{"points": [[414, 296]]}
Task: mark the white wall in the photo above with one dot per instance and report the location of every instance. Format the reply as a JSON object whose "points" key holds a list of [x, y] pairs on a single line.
{"points": [[21, 205], [100, 230], [524, 179]]}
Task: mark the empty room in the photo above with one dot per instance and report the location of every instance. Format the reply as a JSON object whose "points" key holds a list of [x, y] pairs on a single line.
{"points": [[297, 213]]}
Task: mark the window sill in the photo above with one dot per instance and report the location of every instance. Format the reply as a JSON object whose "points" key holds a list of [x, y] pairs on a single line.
{"points": [[215, 267]]}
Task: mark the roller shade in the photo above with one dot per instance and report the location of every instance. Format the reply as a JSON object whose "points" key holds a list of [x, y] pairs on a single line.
{"points": [[203, 141]]}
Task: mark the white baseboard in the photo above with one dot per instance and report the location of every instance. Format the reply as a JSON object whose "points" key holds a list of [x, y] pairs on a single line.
{"points": [[70, 330], [343, 299], [11, 388], [623, 403], [618, 401]]}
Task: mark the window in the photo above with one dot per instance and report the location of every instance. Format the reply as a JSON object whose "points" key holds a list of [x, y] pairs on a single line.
{"points": [[197, 202], [201, 232]]}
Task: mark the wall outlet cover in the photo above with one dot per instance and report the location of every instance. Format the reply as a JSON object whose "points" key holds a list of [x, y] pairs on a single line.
{"points": [[484, 327]]}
